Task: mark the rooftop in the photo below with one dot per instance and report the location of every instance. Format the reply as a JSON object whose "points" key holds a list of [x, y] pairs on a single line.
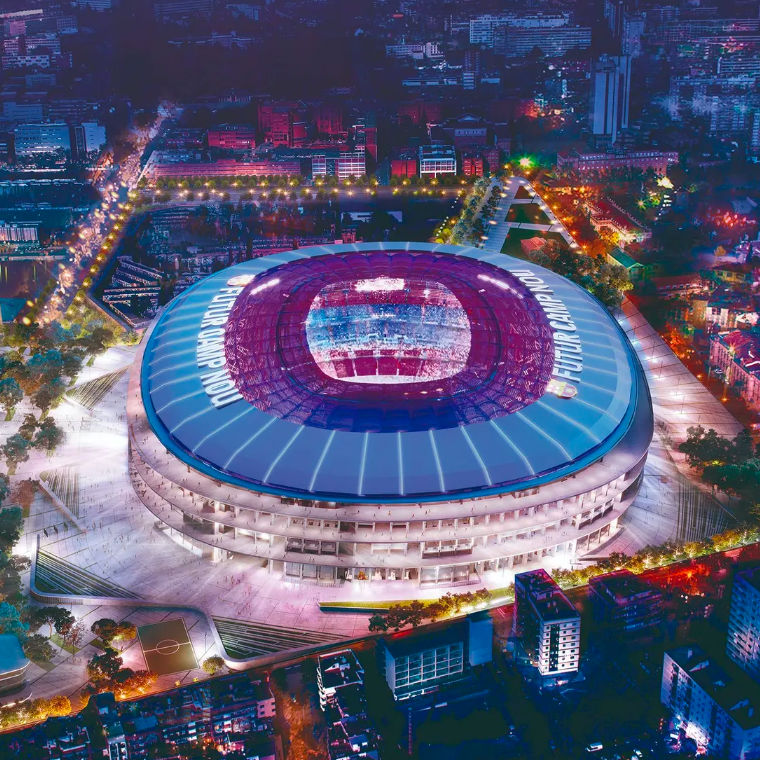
{"points": [[728, 685], [546, 596], [409, 642], [424, 371], [744, 346], [339, 669], [12, 656], [622, 586]]}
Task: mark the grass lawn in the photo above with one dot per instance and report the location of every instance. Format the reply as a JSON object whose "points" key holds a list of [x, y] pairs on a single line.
{"points": [[522, 192], [527, 213], [358, 606], [46, 666], [58, 641], [516, 235]]}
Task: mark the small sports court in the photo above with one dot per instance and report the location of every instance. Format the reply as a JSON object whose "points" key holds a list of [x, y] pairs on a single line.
{"points": [[167, 647]]}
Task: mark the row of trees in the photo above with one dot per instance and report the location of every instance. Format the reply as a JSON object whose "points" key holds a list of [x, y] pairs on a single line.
{"points": [[415, 612], [33, 711], [729, 464], [465, 229]]}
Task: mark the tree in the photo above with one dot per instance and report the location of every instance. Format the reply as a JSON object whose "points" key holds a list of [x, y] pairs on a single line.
{"points": [[10, 621], [72, 362], [73, 635], [103, 667], [105, 629], [5, 487], [212, 665], [127, 682], [58, 706], [56, 618], [49, 394], [11, 524], [38, 648], [49, 436], [125, 631], [28, 426], [10, 395], [15, 450], [24, 493], [378, 622]]}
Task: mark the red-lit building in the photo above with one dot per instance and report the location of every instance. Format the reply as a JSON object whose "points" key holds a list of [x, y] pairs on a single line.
{"points": [[404, 164], [229, 137], [329, 119], [421, 111], [282, 122], [223, 168], [472, 165]]}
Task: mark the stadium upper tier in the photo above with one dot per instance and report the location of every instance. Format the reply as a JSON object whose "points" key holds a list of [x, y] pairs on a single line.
{"points": [[389, 373]]}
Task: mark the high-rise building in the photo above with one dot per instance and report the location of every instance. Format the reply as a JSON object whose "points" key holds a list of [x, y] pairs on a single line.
{"points": [[718, 706], [610, 96], [547, 624], [554, 42], [743, 640], [417, 665]]}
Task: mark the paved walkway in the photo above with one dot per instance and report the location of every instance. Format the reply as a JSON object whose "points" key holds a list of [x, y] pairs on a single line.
{"points": [[497, 231]]}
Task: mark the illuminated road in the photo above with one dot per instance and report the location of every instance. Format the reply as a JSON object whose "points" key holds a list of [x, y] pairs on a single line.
{"points": [[94, 237]]}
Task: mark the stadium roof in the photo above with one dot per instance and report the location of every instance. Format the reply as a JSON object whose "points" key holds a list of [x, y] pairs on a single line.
{"points": [[391, 372]]}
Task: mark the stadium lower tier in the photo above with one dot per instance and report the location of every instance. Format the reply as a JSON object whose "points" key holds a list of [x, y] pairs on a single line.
{"points": [[436, 542]]}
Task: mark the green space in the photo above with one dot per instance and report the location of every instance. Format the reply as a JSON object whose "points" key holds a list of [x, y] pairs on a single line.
{"points": [[383, 606], [523, 193], [516, 235], [527, 213]]}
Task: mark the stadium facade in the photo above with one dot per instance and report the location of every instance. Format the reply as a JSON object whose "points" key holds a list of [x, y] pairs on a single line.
{"points": [[388, 411]]}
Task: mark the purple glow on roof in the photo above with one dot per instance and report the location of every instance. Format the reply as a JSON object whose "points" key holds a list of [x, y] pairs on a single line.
{"points": [[386, 342]]}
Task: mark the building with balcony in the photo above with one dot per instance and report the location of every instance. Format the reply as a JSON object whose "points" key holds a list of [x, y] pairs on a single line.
{"points": [[547, 624], [714, 702]]}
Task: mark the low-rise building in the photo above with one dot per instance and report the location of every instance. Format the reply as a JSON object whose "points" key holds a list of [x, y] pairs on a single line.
{"points": [[232, 137], [414, 665], [583, 163], [437, 159], [625, 602], [404, 164], [350, 733], [736, 354], [547, 624]]}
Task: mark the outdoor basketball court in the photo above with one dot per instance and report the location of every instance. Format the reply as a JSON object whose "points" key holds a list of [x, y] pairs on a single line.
{"points": [[167, 647]]}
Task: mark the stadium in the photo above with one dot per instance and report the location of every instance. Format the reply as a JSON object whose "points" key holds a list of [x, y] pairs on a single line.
{"points": [[388, 411]]}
